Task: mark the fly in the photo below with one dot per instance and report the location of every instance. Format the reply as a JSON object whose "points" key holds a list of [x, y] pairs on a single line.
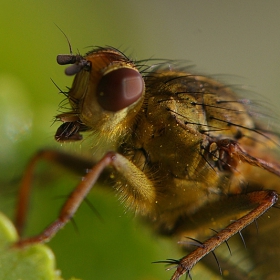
{"points": [[185, 154]]}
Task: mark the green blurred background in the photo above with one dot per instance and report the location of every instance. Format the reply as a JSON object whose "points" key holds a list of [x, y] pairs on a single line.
{"points": [[238, 39]]}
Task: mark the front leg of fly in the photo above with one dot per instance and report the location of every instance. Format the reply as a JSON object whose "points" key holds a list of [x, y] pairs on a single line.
{"points": [[137, 186]]}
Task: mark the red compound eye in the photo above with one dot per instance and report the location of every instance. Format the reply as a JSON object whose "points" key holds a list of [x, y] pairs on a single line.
{"points": [[119, 89]]}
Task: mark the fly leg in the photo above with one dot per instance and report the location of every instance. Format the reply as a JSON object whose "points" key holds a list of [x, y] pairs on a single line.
{"points": [[73, 163], [260, 200], [137, 183], [229, 156]]}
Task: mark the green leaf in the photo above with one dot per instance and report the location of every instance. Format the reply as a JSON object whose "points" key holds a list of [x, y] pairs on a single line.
{"points": [[33, 262]]}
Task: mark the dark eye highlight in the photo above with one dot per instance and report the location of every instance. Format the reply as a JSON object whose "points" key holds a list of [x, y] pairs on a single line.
{"points": [[119, 89]]}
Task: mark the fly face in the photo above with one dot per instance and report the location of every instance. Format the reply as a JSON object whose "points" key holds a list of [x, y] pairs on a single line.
{"points": [[187, 156], [118, 88]]}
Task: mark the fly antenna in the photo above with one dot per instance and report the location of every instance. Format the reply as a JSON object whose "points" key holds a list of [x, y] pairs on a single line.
{"points": [[69, 44]]}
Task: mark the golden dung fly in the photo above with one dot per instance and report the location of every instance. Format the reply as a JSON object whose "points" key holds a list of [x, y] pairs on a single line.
{"points": [[186, 154]]}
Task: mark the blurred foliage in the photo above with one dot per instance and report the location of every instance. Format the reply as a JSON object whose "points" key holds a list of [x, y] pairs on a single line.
{"points": [[31, 263]]}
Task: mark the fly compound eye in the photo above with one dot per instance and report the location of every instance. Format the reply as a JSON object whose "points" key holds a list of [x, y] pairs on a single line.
{"points": [[119, 88]]}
